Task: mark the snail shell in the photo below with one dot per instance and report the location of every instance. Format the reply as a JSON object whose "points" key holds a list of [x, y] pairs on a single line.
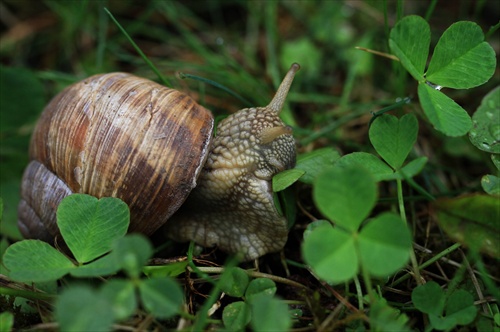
{"points": [[115, 135]]}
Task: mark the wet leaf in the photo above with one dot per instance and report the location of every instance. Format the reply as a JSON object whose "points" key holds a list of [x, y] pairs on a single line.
{"points": [[472, 220], [485, 132]]}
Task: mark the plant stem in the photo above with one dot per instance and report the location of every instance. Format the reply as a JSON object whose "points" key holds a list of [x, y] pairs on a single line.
{"points": [[429, 262], [194, 267], [27, 294], [440, 255], [202, 315], [359, 292], [402, 212], [430, 10], [253, 274], [492, 30], [456, 280], [368, 284], [396, 105], [490, 285]]}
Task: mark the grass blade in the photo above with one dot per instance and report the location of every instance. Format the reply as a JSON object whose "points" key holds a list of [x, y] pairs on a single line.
{"points": [[144, 57]]}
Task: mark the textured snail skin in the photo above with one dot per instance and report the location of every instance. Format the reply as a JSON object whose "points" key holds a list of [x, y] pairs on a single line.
{"points": [[232, 206]]}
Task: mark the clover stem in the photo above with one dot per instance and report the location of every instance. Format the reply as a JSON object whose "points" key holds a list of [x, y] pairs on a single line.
{"points": [[359, 292], [402, 212], [368, 284]]}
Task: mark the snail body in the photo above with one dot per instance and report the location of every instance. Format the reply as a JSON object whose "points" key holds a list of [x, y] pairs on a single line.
{"points": [[123, 136]]}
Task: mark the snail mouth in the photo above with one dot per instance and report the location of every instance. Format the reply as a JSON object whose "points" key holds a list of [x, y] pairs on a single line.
{"points": [[261, 187], [280, 167], [275, 166], [263, 175]]}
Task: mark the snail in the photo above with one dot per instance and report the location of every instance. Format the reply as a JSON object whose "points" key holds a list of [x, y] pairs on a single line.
{"points": [[123, 136]]}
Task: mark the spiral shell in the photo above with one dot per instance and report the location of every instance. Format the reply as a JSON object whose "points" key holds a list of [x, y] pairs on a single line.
{"points": [[115, 135]]}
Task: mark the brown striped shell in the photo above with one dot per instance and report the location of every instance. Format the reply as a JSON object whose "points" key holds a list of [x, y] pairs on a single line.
{"points": [[115, 135]]}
